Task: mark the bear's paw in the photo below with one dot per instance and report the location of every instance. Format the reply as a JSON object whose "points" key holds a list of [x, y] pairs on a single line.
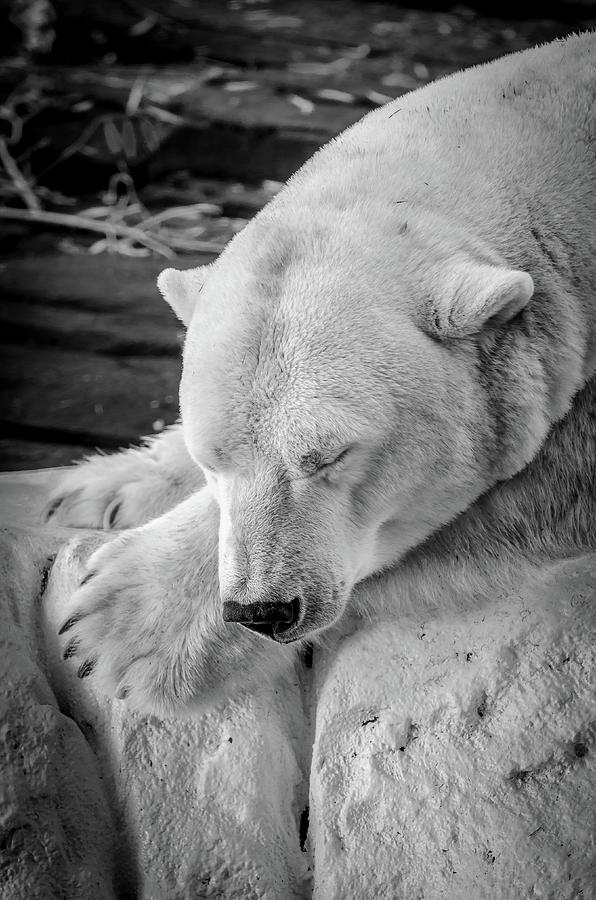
{"points": [[146, 621], [124, 490]]}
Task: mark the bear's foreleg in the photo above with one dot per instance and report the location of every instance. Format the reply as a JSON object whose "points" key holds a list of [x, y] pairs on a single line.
{"points": [[122, 490]]}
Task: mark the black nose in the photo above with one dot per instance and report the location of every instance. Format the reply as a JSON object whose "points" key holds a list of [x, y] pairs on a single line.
{"points": [[270, 618]]}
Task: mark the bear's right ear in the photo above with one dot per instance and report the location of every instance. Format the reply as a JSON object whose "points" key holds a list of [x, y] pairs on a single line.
{"points": [[181, 289], [467, 296]]}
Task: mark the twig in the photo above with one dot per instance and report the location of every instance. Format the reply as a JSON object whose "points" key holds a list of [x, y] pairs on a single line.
{"points": [[193, 246], [136, 94], [18, 179], [82, 224], [113, 213], [137, 235], [174, 212]]}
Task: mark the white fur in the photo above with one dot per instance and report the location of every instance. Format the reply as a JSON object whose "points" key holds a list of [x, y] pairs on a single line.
{"points": [[152, 617], [124, 489], [423, 295]]}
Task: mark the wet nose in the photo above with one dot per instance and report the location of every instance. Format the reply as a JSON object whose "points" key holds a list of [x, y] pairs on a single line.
{"points": [[270, 618]]}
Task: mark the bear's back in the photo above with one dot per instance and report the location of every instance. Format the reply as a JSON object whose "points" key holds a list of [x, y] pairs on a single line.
{"points": [[505, 143], [503, 153]]}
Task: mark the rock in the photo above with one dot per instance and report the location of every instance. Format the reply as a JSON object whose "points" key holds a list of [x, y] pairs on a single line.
{"points": [[459, 751], [56, 826], [102, 802]]}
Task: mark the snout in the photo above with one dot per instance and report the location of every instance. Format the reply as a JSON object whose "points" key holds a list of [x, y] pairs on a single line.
{"points": [[272, 619]]}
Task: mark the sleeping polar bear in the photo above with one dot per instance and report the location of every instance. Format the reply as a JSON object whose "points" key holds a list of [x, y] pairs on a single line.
{"points": [[389, 370]]}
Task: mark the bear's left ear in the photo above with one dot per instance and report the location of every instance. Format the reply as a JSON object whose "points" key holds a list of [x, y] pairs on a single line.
{"points": [[181, 289], [467, 295]]}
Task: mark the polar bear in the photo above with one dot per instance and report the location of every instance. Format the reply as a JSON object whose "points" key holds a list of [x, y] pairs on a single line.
{"points": [[387, 395]]}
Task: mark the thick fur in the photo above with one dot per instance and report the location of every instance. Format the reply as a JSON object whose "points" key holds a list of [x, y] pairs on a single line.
{"points": [[384, 372], [125, 489]]}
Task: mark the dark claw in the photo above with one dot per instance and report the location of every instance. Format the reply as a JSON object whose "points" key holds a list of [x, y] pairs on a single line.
{"points": [[52, 508], [86, 668], [69, 623], [114, 515], [45, 575], [71, 649], [87, 578]]}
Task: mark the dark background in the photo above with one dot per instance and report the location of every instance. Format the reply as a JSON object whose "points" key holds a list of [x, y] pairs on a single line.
{"points": [[116, 114]]}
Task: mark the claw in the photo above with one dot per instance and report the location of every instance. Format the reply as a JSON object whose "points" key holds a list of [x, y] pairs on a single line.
{"points": [[86, 668], [69, 623], [45, 575], [71, 649], [52, 508], [112, 515]]}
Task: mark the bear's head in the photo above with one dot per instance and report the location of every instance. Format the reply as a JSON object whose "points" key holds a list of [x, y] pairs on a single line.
{"points": [[344, 404]]}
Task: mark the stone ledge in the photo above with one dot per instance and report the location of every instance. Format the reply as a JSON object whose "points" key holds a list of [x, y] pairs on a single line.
{"points": [[101, 802], [459, 751]]}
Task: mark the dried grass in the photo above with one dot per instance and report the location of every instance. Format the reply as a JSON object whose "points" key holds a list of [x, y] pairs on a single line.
{"points": [[124, 223]]}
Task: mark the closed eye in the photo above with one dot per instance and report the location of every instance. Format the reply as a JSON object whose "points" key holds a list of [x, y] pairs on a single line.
{"points": [[329, 464], [322, 462]]}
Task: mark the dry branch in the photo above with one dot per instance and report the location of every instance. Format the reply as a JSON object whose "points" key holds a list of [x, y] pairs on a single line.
{"points": [[109, 229], [18, 179]]}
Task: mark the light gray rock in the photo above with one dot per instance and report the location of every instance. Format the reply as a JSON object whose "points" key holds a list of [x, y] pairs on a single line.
{"points": [[454, 757], [56, 826], [100, 802]]}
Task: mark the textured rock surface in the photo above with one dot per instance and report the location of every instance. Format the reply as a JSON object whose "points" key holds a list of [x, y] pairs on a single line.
{"points": [[452, 758], [56, 827], [460, 751], [206, 807], [99, 802]]}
